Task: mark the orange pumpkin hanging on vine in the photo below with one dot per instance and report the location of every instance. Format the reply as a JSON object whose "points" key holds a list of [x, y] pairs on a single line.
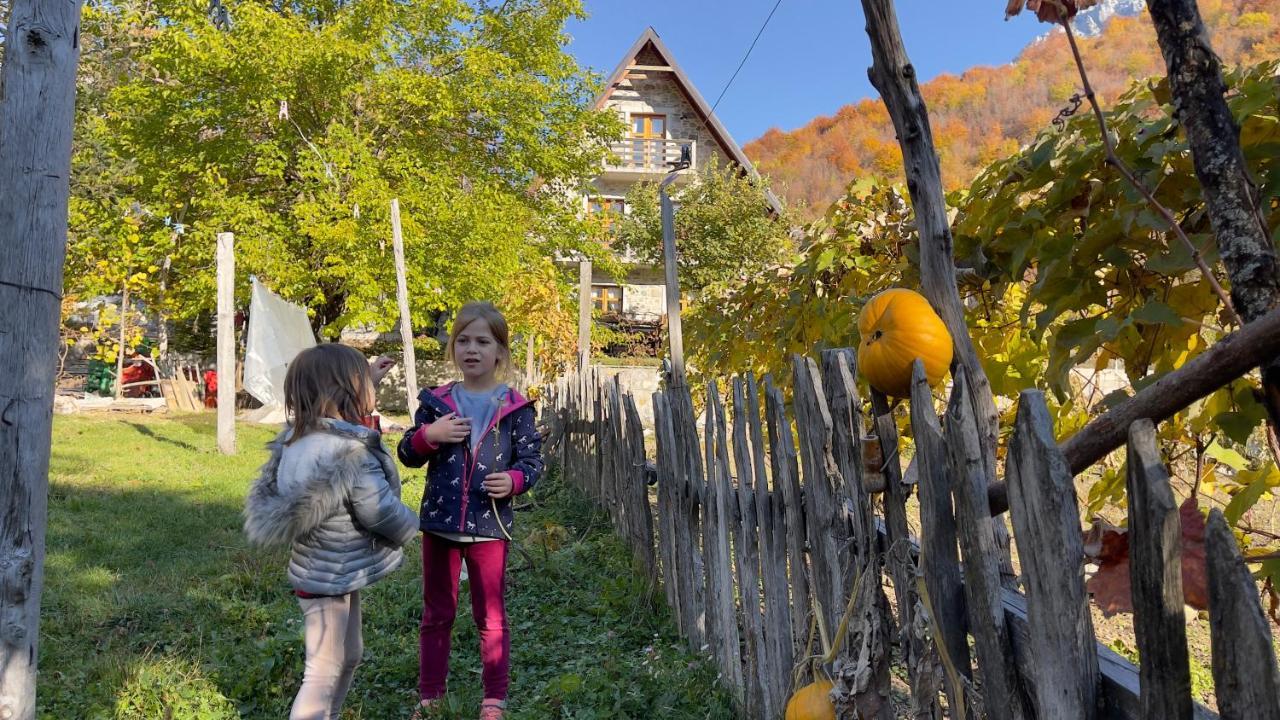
{"points": [[812, 702], [897, 326]]}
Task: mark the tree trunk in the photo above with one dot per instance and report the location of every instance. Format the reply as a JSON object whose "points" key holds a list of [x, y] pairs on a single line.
{"points": [[1195, 80], [895, 78], [37, 99]]}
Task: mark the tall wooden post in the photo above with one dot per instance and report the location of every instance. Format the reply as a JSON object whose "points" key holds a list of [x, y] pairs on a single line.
{"points": [[124, 326], [584, 314], [406, 322], [41, 50], [674, 332], [226, 344], [529, 366]]}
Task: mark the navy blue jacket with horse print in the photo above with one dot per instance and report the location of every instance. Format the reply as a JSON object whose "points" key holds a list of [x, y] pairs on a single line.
{"points": [[454, 500]]}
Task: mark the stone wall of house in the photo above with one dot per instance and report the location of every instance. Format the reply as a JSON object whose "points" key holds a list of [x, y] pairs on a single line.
{"points": [[658, 92]]}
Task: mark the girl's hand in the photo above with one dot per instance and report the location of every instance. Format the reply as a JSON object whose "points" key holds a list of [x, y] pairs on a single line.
{"points": [[448, 429], [379, 367], [498, 485]]}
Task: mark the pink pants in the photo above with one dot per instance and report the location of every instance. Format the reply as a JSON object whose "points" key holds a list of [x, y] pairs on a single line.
{"points": [[486, 567]]}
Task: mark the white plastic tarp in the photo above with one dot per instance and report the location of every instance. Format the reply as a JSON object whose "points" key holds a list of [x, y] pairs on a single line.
{"points": [[278, 331]]}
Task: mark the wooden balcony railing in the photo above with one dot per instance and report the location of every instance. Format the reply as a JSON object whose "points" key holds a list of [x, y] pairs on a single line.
{"points": [[647, 155]]}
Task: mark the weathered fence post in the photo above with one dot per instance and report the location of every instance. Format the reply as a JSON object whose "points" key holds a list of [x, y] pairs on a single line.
{"points": [[1002, 690], [406, 319], [1244, 664], [37, 121], [226, 261], [1046, 524], [868, 637], [747, 552], [771, 516], [813, 422], [722, 624], [1155, 572], [940, 557], [844, 404], [786, 481], [637, 492], [925, 679], [664, 436]]}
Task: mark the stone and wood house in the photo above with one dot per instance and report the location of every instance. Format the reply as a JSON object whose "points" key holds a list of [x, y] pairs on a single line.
{"points": [[663, 112]]}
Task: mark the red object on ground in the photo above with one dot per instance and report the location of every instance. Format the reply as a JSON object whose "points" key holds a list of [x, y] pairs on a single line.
{"points": [[135, 372], [211, 388]]}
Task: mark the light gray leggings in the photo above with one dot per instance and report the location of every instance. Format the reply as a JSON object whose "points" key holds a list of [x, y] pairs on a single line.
{"points": [[334, 645]]}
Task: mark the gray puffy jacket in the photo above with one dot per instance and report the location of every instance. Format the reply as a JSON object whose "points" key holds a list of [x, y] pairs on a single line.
{"points": [[334, 495]]}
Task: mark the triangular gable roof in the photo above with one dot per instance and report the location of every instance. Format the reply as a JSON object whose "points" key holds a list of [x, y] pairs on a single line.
{"points": [[650, 37]]}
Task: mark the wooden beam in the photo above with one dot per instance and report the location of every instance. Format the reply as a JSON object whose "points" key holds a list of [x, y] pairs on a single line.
{"points": [[1228, 359], [584, 314], [406, 322], [226, 344], [37, 115]]}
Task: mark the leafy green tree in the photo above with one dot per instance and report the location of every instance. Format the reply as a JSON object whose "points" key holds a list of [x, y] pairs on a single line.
{"points": [[724, 229], [294, 125]]}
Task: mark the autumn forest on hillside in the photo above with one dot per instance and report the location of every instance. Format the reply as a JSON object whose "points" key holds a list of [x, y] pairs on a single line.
{"points": [[987, 113]]}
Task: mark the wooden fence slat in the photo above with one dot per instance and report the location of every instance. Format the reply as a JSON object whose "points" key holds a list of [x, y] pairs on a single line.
{"points": [[773, 566], [718, 556], [1046, 523], [1155, 572], [638, 492], [868, 641], [786, 478], [1002, 692], [668, 511], [621, 467], [924, 678], [940, 561], [689, 507], [813, 421], [1244, 665], [839, 368], [1119, 698], [747, 553]]}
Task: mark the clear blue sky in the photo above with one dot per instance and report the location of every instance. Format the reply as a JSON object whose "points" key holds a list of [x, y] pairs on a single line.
{"points": [[812, 58]]}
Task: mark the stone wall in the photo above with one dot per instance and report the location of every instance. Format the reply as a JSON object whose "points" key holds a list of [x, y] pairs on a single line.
{"points": [[658, 92]]}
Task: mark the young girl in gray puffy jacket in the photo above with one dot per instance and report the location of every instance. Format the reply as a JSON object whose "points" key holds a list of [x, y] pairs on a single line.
{"points": [[330, 491]]}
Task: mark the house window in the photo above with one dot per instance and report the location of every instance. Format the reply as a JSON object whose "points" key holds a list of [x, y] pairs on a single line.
{"points": [[647, 134], [607, 299], [614, 206]]}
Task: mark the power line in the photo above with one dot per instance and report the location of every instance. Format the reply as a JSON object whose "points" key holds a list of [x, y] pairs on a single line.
{"points": [[744, 57]]}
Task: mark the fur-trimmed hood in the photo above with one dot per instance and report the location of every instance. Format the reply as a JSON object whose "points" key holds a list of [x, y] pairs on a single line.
{"points": [[282, 507]]}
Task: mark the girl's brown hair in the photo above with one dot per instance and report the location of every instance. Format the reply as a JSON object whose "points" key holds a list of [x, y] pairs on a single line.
{"points": [[328, 380], [492, 317]]}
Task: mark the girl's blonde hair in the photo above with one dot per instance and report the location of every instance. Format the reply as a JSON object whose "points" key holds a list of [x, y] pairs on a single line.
{"points": [[328, 380], [497, 323]]}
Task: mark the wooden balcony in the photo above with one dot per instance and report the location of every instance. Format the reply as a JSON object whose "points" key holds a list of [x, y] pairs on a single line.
{"points": [[644, 158]]}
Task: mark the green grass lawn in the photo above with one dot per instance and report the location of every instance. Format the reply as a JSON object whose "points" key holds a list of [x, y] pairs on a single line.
{"points": [[155, 607]]}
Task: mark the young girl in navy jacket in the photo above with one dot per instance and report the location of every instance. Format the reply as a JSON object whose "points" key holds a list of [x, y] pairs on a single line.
{"points": [[480, 444]]}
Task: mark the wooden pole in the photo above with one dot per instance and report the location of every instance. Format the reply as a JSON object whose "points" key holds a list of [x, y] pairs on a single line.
{"points": [[529, 342], [41, 51], [226, 344], [124, 325], [1226, 360], [674, 331], [406, 322], [584, 314]]}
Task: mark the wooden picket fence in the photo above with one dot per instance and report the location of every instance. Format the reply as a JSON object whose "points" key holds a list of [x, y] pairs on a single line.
{"points": [[770, 552]]}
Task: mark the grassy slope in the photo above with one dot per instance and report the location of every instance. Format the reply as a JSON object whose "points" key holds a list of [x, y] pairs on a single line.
{"points": [[154, 606]]}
